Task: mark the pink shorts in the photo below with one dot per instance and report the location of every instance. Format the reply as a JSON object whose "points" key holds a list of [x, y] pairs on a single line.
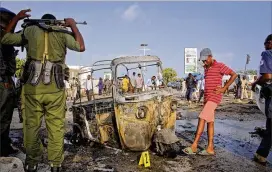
{"points": [[208, 111]]}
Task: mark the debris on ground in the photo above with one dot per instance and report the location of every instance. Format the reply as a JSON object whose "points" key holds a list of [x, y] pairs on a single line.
{"points": [[11, 164], [232, 154]]}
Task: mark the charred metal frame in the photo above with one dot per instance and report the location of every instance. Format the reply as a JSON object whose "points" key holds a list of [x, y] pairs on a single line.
{"points": [[112, 66], [133, 60]]}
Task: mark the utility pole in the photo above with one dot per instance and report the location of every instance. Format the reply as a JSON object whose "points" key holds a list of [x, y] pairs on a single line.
{"points": [[247, 61], [144, 68], [144, 48]]}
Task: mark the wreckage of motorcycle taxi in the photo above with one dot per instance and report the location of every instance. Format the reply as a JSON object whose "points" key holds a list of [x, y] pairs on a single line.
{"points": [[123, 116]]}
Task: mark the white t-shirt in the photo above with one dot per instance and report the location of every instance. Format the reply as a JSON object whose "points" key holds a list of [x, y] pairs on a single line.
{"points": [[67, 85], [88, 84], [133, 81], [201, 84]]}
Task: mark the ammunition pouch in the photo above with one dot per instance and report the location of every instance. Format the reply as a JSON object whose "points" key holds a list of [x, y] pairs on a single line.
{"points": [[266, 91], [34, 70], [59, 75], [47, 73], [24, 74]]}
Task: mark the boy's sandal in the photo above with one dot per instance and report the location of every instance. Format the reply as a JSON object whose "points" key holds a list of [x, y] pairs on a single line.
{"points": [[205, 153], [188, 151]]}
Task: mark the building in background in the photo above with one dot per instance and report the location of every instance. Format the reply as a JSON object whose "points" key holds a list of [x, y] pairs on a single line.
{"points": [[74, 71], [190, 60]]}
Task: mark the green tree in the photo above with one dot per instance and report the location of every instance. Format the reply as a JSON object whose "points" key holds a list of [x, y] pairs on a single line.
{"points": [[178, 79], [169, 74], [19, 65], [249, 71]]}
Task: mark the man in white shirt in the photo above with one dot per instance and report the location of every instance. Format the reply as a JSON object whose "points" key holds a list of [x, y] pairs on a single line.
{"points": [[244, 88], [252, 93], [183, 87], [201, 88], [139, 83], [89, 88], [74, 86], [67, 89]]}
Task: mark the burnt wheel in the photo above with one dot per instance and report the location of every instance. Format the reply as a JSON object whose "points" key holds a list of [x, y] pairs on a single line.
{"points": [[76, 139]]}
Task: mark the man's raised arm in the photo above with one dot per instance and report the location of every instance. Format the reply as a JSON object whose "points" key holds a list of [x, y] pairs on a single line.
{"points": [[78, 37], [21, 15]]}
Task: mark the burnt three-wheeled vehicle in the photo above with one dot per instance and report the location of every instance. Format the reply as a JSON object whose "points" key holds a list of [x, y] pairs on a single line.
{"points": [[126, 119]]}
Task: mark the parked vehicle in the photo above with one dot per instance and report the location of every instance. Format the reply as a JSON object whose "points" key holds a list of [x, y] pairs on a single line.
{"points": [[127, 120]]}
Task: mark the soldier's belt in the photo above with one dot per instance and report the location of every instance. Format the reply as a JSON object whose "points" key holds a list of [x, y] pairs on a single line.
{"points": [[36, 71]]}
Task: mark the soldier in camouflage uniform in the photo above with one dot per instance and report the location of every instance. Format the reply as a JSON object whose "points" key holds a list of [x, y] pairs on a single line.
{"points": [[43, 90], [7, 89]]}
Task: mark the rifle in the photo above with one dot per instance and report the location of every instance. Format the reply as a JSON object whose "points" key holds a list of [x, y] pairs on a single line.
{"points": [[19, 100], [47, 22]]}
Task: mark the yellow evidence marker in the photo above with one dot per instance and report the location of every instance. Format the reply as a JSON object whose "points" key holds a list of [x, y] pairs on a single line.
{"points": [[145, 159]]}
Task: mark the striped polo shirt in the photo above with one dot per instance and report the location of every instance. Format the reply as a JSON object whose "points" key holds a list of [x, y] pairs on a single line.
{"points": [[213, 79]]}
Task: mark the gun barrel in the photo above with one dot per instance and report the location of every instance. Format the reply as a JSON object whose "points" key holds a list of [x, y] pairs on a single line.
{"points": [[85, 23], [51, 21]]}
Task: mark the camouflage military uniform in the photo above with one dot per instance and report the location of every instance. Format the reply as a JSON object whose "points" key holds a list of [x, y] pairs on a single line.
{"points": [[42, 99], [7, 90]]}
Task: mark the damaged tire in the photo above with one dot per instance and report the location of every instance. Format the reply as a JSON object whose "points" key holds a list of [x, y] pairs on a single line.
{"points": [[76, 139]]}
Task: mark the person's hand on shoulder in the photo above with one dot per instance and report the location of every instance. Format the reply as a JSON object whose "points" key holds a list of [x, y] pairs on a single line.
{"points": [[23, 14]]}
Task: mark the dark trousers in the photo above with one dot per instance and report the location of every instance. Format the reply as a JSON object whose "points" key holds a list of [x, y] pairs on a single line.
{"points": [[238, 93], [89, 94], [201, 95], [189, 93], [7, 100], [266, 143]]}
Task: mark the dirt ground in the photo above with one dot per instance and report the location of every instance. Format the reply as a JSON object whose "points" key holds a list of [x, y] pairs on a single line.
{"points": [[234, 144]]}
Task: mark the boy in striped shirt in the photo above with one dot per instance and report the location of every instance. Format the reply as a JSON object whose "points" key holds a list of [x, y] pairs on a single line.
{"points": [[213, 93]]}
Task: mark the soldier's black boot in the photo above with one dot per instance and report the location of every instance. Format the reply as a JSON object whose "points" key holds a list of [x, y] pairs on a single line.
{"points": [[29, 168], [55, 169]]}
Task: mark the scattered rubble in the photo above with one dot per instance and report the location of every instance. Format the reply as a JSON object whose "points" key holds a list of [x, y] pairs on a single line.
{"points": [[11, 164], [229, 150]]}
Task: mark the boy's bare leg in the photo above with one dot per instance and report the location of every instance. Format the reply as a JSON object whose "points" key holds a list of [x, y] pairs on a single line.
{"points": [[199, 131], [210, 129]]}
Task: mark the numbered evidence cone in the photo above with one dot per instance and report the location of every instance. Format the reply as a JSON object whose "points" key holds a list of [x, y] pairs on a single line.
{"points": [[145, 159]]}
